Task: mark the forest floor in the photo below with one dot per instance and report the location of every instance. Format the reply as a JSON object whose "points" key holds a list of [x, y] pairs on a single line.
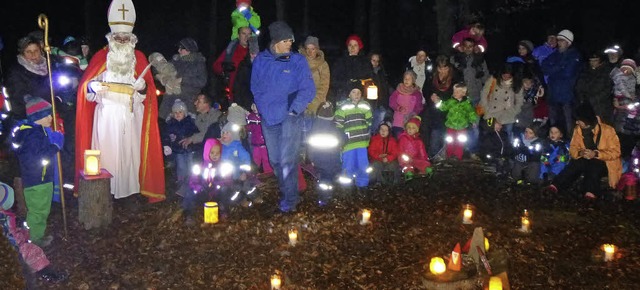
{"points": [[149, 247]]}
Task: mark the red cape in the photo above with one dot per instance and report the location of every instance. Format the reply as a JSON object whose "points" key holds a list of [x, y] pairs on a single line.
{"points": [[151, 163]]}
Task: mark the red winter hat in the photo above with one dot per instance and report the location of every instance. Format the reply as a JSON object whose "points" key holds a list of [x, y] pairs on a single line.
{"points": [[238, 2], [416, 120], [357, 39]]}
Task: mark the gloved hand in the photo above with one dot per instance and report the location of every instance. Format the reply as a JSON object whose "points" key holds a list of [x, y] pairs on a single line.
{"points": [[139, 85], [246, 13], [167, 150], [57, 139], [521, 157], [96, 87]]}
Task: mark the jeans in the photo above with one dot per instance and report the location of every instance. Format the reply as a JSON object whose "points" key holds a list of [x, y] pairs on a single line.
{"points": [[437, 141], [283, 145], [378, 117], [561, 115], [183, 166]]}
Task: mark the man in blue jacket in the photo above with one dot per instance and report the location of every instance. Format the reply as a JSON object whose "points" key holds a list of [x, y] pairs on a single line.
{"points": [[282, 86], [561, 68]]}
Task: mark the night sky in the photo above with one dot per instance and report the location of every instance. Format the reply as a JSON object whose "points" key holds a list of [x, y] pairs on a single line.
{"points": [[406, 24]]}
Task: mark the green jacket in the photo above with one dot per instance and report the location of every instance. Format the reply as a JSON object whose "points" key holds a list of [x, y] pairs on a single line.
{"points": [[460, 114], [238, 20], [354, 120]]}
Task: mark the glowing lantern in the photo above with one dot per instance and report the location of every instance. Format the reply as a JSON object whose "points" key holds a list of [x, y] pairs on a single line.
{"points": [[467, 214], [366, 215], [276, 282], [495, 283], [437, 266], [210, 212], [609, 251], [92, 162], [486, 244], [293, 237], [372, 92]]}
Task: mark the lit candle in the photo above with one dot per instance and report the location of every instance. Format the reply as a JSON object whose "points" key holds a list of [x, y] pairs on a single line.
{"points": [[366, 215], [293, 237], [486, 244], [609, 251], [276, 282], [526, 225], [437, 266], [495, 283], [466, 215]]}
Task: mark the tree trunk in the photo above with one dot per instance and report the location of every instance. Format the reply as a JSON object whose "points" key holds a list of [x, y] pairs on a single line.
{"points": [[360, 18], [375, 15], [305, 17], [18, 193], [446, 25], [193, 19], [213, 31], [89, 14], [95, 207], [280, 10]]}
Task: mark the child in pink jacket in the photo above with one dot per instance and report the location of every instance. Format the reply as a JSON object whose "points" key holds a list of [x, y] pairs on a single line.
{"points": [[258, 145], [406, 102]]}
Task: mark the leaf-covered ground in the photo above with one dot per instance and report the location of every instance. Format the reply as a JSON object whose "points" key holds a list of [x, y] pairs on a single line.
{"points": [[148, 247]]}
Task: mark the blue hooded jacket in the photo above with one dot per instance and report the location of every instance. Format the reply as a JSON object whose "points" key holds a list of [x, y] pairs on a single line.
{"points": [[281, 84], [36, 154], [561, 69]]}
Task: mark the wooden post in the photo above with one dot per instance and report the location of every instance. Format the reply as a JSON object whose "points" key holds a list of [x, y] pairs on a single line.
{"points": [[18, 191], [95, 206]]}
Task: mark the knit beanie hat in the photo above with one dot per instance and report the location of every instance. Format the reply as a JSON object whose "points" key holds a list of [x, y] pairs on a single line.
{"points": [[614, 49], [37, 108], [628, 63], [584, 112], [6, 196], [416, 120], [357, 39], [280, 31], [189, 44], [566, 34], [325, 111], [312, 40], [233, 130], [237, 114], [179, 106], [527, 44], [239, 2]]}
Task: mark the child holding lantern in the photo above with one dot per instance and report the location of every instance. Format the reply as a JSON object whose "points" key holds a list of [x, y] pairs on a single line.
{"points": [[36, 146], [555, 155], [460, 115], [202, 183], [412, 154], [527, 150]]}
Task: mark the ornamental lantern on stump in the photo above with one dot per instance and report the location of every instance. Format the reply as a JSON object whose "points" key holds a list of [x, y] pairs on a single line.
{"points": [[92, 162]]}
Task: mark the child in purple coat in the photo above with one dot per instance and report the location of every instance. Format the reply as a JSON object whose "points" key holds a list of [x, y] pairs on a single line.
{"points": [[258, 145], [406, 101]]}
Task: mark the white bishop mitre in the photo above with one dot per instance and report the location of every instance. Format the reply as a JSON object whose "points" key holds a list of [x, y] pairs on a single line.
{"points": [[121, 16]]}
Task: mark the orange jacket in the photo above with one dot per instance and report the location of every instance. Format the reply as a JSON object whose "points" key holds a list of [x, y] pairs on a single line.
{"points": [[608, 149]]}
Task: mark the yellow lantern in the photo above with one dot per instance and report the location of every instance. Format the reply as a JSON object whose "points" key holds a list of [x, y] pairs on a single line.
{"points": [[495, 283], [372, 92], [609, 252], [467, 214], [210, 212], [92, 162], [437, 266]]}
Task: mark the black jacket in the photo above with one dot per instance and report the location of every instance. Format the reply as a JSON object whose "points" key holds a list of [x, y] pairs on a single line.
{"points": [[594, 86], [346, 71]]}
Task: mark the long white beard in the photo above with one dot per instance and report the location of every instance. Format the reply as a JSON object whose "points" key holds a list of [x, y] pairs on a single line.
{"points": [[121, 59]]}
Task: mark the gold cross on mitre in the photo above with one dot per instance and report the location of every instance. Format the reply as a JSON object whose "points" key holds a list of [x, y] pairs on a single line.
{"points": [[121, 16]]}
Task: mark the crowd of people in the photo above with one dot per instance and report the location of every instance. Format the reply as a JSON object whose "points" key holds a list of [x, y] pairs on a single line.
{"points": [[543, 117]]}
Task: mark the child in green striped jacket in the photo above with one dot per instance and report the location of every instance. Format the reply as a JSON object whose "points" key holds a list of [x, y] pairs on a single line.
{"points": [[353, 117]]}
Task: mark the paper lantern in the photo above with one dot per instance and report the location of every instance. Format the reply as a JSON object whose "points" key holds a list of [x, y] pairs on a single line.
{"points": [[372, 92], [210, 212], [92, 162]]}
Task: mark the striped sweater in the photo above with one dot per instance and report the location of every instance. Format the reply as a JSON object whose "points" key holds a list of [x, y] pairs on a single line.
{"points": [[354, 120]]}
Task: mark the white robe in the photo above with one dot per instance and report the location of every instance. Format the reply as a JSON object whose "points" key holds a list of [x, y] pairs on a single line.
{"points": [[117, 133]]}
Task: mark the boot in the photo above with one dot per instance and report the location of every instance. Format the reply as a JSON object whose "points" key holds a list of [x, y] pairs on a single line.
{"points": [[630, 192]]}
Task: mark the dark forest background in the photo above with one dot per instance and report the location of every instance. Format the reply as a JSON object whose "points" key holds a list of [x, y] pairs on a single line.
{"points": [[396, 28]]}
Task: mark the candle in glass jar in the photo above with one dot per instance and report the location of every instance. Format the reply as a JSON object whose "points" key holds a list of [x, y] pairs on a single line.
{"points": [[366, 215], [276, 282], [437, 266], [495, 283], [609, 251], [293, 237], [526, 224], [467, 214]]}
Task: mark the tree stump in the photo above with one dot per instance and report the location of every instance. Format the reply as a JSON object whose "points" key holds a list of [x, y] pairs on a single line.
{"points": [[95, 206], [18, 191]]}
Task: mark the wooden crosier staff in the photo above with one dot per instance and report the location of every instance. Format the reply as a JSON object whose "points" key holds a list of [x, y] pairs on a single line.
{"points": [[43, 23]]}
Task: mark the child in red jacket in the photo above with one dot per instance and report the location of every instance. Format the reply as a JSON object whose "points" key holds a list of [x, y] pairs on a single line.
{"points": [[412, 155], [383, 152]]}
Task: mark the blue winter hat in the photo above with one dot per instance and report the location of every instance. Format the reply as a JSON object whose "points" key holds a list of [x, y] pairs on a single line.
{"points": [[6, 196], [37, 108]]}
